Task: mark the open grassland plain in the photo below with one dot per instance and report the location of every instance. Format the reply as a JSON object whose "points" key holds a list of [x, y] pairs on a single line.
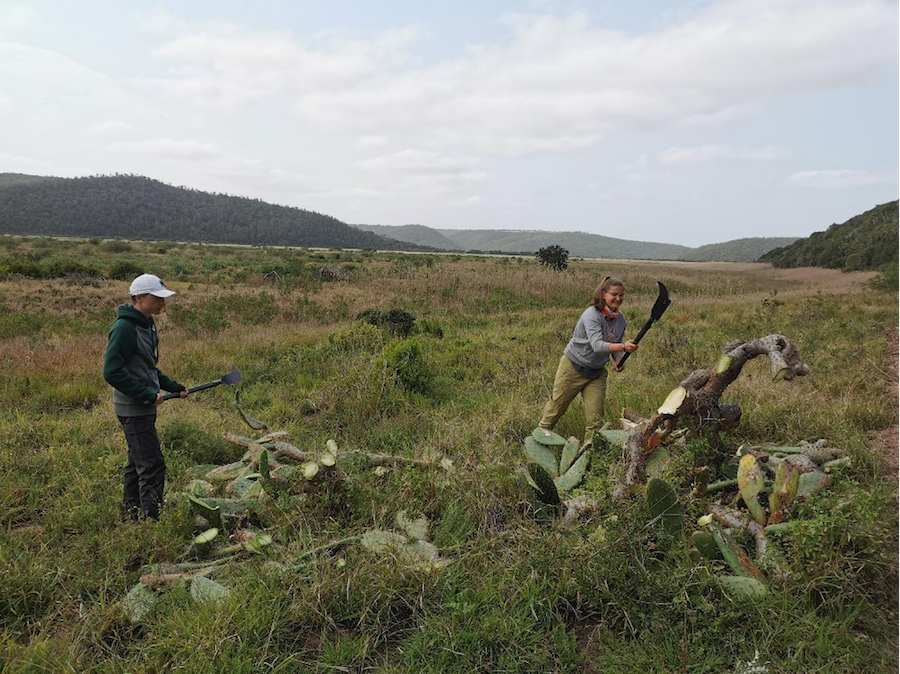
{"points": [[616, 593]]}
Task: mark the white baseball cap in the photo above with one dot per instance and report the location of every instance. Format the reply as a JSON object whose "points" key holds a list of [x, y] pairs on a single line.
{"points": [[148, 284]]}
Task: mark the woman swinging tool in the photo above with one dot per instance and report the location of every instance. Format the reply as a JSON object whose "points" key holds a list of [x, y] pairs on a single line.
{"points": [[598, 336]]}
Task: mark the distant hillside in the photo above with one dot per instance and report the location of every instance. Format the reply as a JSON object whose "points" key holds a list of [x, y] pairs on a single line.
{"points": [[737, 250], [578, 243], [135, 207], [417, 234], [867, 241]]}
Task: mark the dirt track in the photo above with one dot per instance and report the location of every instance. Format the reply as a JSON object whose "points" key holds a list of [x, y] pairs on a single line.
{"points": [[886, 440]]}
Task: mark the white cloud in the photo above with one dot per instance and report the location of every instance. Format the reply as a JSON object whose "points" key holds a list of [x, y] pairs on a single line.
{"points": [[371, 142], [17, 15], [11, 163], [418, 161], [840, 179], [110, 127], [169, 148], [708, 153], [556, 83]]}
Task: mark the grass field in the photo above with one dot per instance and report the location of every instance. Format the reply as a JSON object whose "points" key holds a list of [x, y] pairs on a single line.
{"points": [[521, 593]]}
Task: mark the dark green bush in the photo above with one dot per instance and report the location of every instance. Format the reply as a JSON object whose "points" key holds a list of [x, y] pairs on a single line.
{"points": [[124, 270], [405, 357], [396, 321]]}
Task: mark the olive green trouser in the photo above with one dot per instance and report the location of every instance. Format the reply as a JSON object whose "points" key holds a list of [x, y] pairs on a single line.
{"points": [[568, 384]]}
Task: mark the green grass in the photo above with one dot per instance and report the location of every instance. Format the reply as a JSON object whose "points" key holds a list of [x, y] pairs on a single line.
{"points": [[613, 594]]}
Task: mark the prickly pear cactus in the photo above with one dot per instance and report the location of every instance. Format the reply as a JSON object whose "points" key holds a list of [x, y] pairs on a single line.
{"points": [[575, 473], [569, 454], [542, 455], [663, 504], [546, 489], [548, 438], [784, 491], [750, 484], [743, 587]]}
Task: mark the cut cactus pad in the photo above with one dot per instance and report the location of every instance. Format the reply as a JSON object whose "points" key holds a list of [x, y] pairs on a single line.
{"points": [[548, 438], [542, 455], [546, 490], [663, 504], [574, 475]]}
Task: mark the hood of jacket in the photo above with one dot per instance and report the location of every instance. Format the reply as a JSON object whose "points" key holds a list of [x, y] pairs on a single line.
{"points": [[128, 311]]}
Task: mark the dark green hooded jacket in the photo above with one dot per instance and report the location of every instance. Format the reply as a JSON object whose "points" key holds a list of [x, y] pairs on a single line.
{"points": [[130, 364]]}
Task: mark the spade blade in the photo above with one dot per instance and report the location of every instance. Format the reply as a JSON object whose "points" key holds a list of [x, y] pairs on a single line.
{"points": [[232, 377]]}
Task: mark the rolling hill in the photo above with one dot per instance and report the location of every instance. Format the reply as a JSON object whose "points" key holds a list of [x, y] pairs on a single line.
{"points": [[136, 207], [578, 244], [737, 250], [865, 242]]}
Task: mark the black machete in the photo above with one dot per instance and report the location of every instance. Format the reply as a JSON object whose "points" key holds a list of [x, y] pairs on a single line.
{"points": [[662, 303], [232, 377]]}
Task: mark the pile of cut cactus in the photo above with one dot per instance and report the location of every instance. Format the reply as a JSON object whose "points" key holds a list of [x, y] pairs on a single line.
{"points": [[769, 479]]}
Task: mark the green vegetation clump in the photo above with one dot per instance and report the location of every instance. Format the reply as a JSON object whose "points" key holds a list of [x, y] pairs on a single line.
{"points": [[865, 242]]}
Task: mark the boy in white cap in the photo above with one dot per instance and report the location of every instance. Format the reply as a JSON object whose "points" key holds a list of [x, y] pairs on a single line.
{"points": [[130, 368]]}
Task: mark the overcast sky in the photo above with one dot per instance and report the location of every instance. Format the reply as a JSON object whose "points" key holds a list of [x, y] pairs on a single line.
{"points": [[686, 122]]}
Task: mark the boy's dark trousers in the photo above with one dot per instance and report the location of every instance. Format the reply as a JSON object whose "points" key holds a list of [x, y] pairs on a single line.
{"points": [[145, 471]]}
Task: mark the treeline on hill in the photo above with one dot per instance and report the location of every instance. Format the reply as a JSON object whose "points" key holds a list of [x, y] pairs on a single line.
{"points": [[737, 250], [580, 244], [865, 242], [135, 207]]}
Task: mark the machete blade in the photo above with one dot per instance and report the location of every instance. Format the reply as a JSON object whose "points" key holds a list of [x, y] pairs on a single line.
{"points": [[662, 302], [232, 377]]}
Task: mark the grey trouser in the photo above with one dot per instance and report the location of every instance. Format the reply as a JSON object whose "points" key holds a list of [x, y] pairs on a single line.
{"points": [[145, 472]]}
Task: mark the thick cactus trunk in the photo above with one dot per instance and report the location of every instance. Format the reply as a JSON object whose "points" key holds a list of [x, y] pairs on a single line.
{"points": [[697, 399]]}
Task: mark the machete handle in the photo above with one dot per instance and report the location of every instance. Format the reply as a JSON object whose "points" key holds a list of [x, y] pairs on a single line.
{"points": [[194, 389], [639, 337]]}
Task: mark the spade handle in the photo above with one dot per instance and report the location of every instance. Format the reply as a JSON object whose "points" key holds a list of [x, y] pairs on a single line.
{"points": [[194, 389]]}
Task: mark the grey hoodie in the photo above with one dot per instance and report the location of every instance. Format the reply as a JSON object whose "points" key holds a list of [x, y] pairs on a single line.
{"points": [[589, 346]]}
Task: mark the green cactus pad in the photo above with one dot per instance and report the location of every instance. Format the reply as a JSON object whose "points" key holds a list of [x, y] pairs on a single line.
{"points": [[750, 484], [416, 529], [663, 504], [139, 603], [543, 455], [706, 545], [264, 465], [614, 437], [226, 473], [743, 587], [200, 488], [378, 540], [812, 482], [548, 438], [204, 590], [212, 513], [784, 491], [574, 475], [728, 549], [243, 488], [546, 490], [569, 453], [657, 462]]}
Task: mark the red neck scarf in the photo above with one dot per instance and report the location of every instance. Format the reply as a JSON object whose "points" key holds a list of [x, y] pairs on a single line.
{"points": [[611, 315]]}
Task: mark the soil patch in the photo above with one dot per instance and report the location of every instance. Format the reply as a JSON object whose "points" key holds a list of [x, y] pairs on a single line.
{"points": [[886, 440]]}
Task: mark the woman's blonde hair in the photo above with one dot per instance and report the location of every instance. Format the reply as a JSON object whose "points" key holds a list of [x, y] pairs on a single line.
{"points": [[597, 300]]}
